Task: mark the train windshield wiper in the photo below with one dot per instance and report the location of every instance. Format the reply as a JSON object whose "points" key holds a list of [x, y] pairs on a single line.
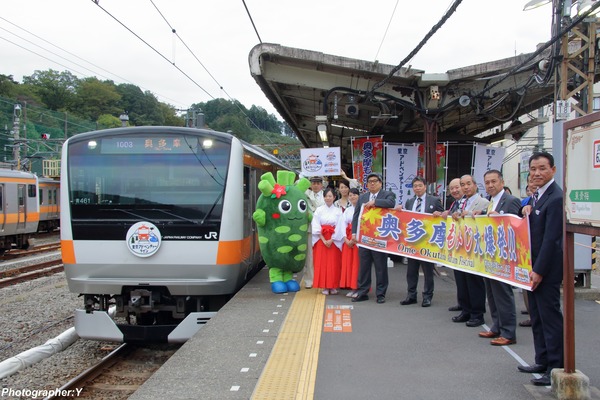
{"points": [[136, 215], [175, 215], [212, 208]]}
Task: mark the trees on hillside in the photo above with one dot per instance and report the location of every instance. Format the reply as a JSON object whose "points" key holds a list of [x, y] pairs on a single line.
{"points": [[91, 103]]}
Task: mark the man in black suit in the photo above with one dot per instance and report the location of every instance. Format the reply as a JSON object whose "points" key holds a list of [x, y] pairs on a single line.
{"points": [[545, 211], [421, 203], [470, 288], [500, 296], [453, 204], [375, 197]]}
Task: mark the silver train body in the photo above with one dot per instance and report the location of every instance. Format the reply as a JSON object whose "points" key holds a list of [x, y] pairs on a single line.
{"points": [[156, 225], [28, 204]]}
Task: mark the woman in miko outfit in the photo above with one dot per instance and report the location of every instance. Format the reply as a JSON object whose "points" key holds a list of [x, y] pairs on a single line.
{"points": [[327, 239], [350, 263]]}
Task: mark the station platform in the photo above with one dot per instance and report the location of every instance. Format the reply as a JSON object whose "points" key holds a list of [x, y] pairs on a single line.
{"points": [[306, 345]]}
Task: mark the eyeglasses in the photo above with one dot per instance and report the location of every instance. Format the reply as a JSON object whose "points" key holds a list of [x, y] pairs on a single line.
{"points": [[373, 180]]}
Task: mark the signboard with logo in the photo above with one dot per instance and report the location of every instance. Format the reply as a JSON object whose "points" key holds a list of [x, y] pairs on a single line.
{"points": [[321, 161], [583, 175]]}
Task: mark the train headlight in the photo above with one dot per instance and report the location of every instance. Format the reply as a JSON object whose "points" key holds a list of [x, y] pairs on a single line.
{"points": [[92, 144]]}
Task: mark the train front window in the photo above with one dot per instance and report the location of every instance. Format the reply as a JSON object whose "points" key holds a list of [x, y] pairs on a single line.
{"points": [[156, 177]]}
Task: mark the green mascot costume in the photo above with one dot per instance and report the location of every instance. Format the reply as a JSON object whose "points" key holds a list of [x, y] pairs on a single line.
{"points": [[282, 217]]}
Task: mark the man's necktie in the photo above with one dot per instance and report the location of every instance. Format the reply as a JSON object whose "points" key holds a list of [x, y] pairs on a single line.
{"points": [[419, 203], [490, 207], [462, 204], [536, 196], [372, 198]]}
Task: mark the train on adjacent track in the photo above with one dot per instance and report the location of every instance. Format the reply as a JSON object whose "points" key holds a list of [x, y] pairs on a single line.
{"points": [[28, 204], [156, 228]]}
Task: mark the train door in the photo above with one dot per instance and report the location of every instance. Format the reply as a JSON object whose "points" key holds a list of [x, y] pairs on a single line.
{"points": [[22, 206], [2, 209], [249, 226]]}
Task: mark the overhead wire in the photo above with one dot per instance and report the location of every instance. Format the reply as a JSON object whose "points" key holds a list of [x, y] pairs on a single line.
{"points": [[153, 49], [422, 43], [252, 21], [174, 31], [70, 61], [40, 55], [542, 48], [51, 52], [187, 47], [386, 30]]}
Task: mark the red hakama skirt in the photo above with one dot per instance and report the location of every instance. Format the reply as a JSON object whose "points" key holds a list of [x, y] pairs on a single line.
{"points": [[350, 263], [327, 261]]}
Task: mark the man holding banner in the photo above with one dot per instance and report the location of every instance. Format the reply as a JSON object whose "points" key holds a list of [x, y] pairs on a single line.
{"points": [[545, 212], [501, 299], [375, 197], [420, 203], [470, 287]]}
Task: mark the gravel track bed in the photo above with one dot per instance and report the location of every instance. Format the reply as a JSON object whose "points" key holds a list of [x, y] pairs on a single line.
{"points": [[32, 313]]}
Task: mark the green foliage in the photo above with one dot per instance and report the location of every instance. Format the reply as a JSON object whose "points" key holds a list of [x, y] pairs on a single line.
{"points": [[94, 98], [62, 105], [56, 89], [106, 121]]}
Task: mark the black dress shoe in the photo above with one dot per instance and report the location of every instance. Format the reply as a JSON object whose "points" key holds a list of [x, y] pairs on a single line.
{"points": [[363, 297], [408, 300], [380, 299], [475, 322], [532, 369], [462, 317], [455, 308], [426, 303], [543, 381]]}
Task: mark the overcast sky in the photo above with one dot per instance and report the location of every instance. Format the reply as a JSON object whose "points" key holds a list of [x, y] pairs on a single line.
{"points": [[221, 35]]}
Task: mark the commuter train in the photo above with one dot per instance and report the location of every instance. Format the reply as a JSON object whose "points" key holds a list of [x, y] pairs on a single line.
{"points": [[28, 205], [156, 228]]}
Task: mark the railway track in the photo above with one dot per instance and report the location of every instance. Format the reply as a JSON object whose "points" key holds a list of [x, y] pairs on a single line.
{"points": [[119, 374], [11, 255], [30, 272]]}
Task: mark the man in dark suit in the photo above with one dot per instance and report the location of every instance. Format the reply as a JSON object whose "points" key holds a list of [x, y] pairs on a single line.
{"points": [[470, 288], [500, 296], [375, 197], [546, 213], [453, 204], [421, 203]]}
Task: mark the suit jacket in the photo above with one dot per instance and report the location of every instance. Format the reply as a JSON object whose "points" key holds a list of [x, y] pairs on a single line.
{"points": [[432, 204], [508, 204], [477, 204], [384, 199], [545, 227]]}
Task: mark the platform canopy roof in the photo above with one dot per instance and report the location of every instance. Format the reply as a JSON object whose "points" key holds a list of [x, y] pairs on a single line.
{"points": [[355, 98]]}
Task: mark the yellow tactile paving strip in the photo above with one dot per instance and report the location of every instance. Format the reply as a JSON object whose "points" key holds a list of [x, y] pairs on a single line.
{"points": [[291, 370]]}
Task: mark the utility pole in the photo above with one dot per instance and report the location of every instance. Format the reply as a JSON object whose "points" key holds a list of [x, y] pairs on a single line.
{"points": [[575, 81], [577, 68], [16, 136]]}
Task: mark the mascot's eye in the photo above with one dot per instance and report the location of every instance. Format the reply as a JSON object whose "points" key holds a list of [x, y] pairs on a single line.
{"points": [[285, 206], [302, 205]]}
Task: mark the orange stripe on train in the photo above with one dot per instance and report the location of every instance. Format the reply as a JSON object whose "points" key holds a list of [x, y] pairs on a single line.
{"points": [[234, 251], [68, 251]]}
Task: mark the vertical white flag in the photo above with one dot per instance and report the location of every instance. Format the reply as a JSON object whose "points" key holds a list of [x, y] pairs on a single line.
{"points": [[401, 167], [486, 158]]}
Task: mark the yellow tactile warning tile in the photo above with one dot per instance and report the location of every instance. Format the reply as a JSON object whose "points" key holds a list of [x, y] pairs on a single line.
{"points": [[290, 372]]}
